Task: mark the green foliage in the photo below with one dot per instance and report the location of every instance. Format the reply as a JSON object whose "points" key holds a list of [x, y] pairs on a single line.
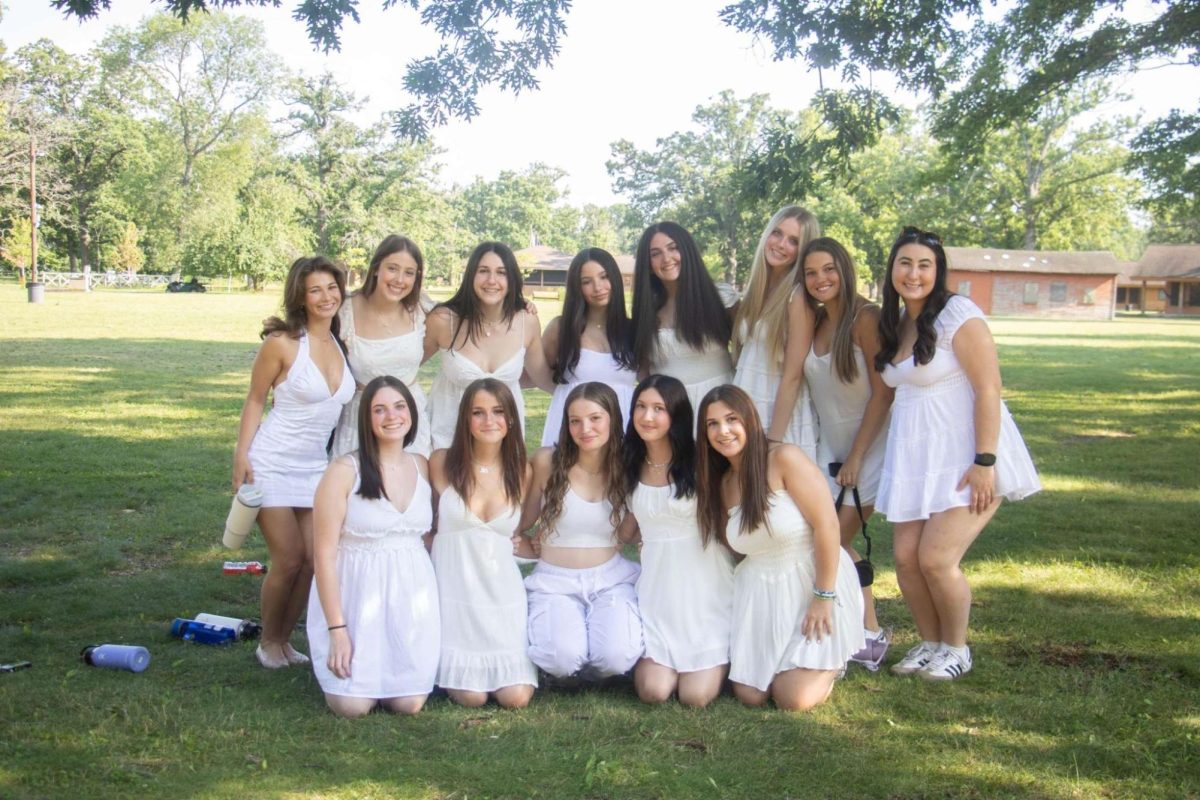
{"points": [[519, 208], [17, 243], [126, 254]]}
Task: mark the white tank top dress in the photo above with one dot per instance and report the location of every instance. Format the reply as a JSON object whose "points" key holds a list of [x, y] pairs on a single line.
{"points": [[758, 375], [592, 366]]}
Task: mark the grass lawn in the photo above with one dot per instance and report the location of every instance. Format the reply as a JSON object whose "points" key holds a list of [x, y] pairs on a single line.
{"points": [[118, 414]]}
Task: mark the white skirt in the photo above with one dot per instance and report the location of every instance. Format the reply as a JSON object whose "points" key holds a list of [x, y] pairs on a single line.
{"points": [[685, 594]]}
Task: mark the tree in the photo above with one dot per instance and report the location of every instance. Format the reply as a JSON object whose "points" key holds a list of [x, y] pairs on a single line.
{"points": [[126, 253], [17, 244], [519, 208]]}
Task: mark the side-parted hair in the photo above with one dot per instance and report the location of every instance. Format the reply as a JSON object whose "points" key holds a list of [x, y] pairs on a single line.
{"points": [[391, 245], [682, 469], [370, 475], [512, 449], [574, 315], [889, 317], [771, 310], [700, 315], [711, 467], [295, 316], [842, 349], [567, 454], [465, 304]]}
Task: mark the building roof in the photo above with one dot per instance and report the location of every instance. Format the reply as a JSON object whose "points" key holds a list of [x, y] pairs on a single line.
{"points": [[1170, 261], [547, 258], [1059, 262], [1129, 276]]}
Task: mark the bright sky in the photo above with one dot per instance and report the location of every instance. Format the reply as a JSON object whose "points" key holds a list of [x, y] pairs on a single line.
{"points": [[628, 69]]}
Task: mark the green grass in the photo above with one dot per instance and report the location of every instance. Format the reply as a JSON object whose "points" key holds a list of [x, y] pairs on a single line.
{"points": [[118, 413]]}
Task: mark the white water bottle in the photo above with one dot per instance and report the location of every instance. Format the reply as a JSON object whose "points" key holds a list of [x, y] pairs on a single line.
{"points": [[246, 628], [242, 515]]}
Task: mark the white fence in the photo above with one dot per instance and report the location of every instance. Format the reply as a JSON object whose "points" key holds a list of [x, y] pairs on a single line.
{"points": [[116, 280]]}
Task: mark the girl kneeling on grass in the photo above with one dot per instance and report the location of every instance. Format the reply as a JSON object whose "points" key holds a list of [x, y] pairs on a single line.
{"points": [[583, 615], [797, 607], [373, 621]]}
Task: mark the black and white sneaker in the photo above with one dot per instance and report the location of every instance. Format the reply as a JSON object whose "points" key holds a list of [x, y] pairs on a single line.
{"points": [[947, 665]]}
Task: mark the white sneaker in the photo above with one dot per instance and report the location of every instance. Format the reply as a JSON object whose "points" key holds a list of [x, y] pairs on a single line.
{"points": [[915, 660], [947, 666]]}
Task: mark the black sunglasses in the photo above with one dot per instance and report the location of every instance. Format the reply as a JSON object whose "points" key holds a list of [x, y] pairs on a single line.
{"points": [[916, 234]]}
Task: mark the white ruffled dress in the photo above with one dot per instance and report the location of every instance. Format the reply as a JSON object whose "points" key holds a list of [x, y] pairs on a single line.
{"points": [[758, 375]]}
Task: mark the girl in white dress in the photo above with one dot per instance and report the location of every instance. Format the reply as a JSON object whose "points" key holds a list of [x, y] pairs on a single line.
{"points": [[797, 608], [773, 331], [483, 331], [373, 615], [592, 340], [852, 402], [685, 591], [383, 326], [480, 482], [302, 364], [583, 617], [680, 319], [953, 449]]}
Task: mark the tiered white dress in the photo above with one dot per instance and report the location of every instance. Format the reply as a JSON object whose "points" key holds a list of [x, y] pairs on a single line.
{"points": [[389, 600], [592, 366], [697, 370], [772, 589], [482, 598], [288, 452], [685, 591], [931, 439], [452, 380], [840, 408], [369, 358], [759, 377]]}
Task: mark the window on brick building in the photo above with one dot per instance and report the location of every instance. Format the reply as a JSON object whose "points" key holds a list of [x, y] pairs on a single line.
{"points": [[1058, 293], [964, 288], [1089, 297], [1031, 293]]}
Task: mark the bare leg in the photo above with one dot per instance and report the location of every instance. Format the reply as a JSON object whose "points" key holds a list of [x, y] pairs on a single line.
{"points": [[698, 689], [349, 707], [850, 524], [802, 689], [906, 543], [285, 542], [468, 699], [654, 682], [944, 542], [298, 600], [517, 696], [411, 704], [749, 695]]}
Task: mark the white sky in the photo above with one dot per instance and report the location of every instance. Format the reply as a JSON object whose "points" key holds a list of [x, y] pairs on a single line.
{"points": [[628, 69]]}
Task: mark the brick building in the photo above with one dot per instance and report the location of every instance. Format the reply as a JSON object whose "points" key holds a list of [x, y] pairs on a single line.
{"points": [[1042, 283], [1139, 294], [1177, 266], [546, 267]]}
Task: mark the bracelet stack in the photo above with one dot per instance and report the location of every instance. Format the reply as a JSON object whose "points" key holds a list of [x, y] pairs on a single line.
{"points": [[824, 594]]}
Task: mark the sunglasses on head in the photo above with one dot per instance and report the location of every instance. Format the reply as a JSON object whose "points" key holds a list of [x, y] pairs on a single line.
{"points": [[912, 232]]}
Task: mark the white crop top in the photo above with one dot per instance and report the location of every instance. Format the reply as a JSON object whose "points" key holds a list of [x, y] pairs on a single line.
{"points": [[583, 524]]}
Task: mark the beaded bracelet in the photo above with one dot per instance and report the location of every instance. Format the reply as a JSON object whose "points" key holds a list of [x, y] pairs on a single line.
{"points": [[823, 594]]}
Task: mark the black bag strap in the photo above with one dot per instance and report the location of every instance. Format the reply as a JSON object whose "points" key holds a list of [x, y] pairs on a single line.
{"points": [[858, 507]]}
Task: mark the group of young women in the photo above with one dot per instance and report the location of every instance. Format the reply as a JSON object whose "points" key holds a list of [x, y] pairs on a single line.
{"points": [[704, 475]]}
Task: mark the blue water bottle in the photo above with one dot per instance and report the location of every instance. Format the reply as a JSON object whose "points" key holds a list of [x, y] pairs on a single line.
{"points": [[117, 656], [192, 631]]}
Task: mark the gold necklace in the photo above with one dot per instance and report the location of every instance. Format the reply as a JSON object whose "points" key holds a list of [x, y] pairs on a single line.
{"points": [[484, 469], [657, 466], [588, 471]]}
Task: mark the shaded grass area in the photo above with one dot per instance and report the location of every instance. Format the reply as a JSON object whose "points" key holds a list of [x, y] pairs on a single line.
{"points": [[118, 419]]}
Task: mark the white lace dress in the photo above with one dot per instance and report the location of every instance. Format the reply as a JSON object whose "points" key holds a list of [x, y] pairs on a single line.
{"points": [[482, 598], [592, 366], [931, 439], [758, 375], [389, 600], [399, 356], [685, 591]]}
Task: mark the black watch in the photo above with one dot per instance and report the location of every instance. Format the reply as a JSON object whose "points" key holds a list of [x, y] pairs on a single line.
{"points": [[985, 459]]}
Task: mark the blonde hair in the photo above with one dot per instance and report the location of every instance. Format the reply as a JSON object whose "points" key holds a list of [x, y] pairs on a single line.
{"points": [[756, 305]]}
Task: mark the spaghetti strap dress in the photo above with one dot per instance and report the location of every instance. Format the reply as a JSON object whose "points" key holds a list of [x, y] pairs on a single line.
{"points": [[593, 366], [685, 590], [931, 438], [697, 370], [456, 374], [482, 598], [389, 600], [772, 589], [288, 453], [399, 356], [759, 375]]}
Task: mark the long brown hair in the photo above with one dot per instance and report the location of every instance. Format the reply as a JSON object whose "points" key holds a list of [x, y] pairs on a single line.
{"points": [[512, 449], [567, 454], [295, 317], [370, 475], [466, 305], [711, 467], [842, 347], [889, 316], [392, 244]]}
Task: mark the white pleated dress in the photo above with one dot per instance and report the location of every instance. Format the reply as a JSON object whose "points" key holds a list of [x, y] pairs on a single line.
{"points": [[839, 410], [685, 591], [931, 439], [758, 375], [399, 356], [288, 451], [772, 589], [482, 598], [389, 600], [592, 366], [456, 374], [698, 370]]}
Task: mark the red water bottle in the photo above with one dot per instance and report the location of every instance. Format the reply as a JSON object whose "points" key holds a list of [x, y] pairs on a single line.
{"points": [[244, 568]]}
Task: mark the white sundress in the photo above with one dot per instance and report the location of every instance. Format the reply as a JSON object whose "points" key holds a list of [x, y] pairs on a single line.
{"points": [[839, 410], [759, 377], [931, 439], [399, 356], [455, 375], [685, 590], [772, 589], [593, 366], [288, 451], [389, 600], [482, 598], [698, 370]]}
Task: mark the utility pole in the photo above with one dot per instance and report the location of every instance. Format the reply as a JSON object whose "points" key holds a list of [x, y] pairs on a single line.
{"points": [[36, 292]]}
